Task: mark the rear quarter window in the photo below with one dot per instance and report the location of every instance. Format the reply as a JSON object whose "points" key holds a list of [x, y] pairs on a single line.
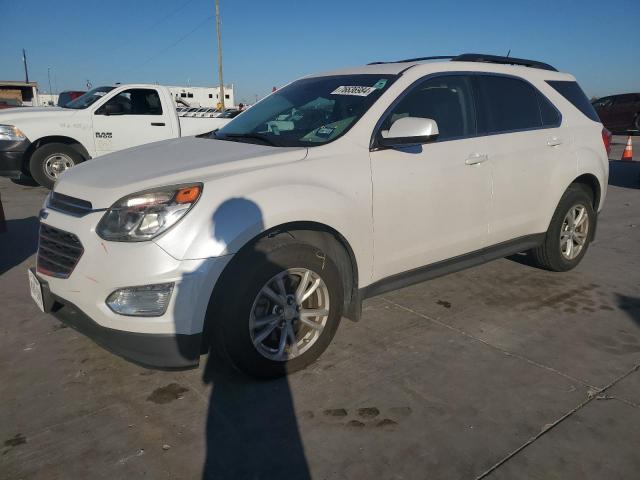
{"points": [[574, 94]]}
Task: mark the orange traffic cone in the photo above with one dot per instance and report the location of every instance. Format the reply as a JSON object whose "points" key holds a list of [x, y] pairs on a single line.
{"points": [[628, 151]]}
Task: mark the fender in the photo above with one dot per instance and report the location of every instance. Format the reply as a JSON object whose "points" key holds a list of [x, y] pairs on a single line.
{"points": [[592, 171], [596, 166], [238, 219]]}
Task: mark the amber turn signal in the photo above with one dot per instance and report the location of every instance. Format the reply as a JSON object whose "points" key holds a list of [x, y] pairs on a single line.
{"points": [[188, 194]]}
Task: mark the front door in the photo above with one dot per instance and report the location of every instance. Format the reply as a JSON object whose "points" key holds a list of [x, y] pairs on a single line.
{"points": [[431, 202], [133, 117]]}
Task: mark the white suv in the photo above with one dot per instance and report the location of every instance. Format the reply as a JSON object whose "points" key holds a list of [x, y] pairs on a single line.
{"points": [[257, 238]]}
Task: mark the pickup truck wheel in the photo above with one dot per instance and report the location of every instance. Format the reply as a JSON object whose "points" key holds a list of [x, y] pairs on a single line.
{"points": [[281, 310], [570, 231], [50, 160]]}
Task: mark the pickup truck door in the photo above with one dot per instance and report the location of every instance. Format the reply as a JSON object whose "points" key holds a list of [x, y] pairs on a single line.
{"points": [[431, 202], [132, 117]]}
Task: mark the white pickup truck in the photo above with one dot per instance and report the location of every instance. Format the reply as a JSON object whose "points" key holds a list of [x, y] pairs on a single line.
{"points": [[44, 142]]}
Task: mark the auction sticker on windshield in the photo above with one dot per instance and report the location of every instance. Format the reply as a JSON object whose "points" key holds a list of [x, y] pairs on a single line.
{"points": [[353, 90]]}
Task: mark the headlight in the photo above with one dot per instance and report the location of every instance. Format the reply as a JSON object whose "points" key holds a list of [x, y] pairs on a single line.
{"points": [[9, 132], [144, 215]]}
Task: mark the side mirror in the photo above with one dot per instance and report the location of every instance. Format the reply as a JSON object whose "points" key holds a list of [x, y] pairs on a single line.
{"points": [[112, 108], [410, 131]]}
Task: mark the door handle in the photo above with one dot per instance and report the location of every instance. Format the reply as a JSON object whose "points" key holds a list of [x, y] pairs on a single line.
{"points": [[157, 124], [476, 158], [554, 142]]}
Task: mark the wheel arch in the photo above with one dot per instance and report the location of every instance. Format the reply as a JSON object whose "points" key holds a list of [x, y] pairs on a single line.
{"points": [[592, 183], [72, 142], [321, 236]]}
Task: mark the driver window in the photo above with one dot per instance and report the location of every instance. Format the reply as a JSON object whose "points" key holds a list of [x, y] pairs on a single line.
{"points": [[446, 99], [136, 101]]}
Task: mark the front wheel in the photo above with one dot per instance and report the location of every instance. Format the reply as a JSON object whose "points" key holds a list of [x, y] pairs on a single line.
{"points": [[49, 161], [569, 233], [280, 310]]}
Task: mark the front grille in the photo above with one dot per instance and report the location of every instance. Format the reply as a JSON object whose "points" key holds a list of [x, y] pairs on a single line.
{"points": [[69, 205], [58, 251]]}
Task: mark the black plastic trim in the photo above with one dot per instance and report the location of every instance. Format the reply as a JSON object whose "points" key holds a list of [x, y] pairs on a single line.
{"points": [[480, 58], [483, 58], [160, 351], [452, 265]]}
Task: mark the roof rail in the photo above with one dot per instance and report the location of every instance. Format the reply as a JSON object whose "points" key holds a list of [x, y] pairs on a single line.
{"points": [[480, 57], [418, 59]]}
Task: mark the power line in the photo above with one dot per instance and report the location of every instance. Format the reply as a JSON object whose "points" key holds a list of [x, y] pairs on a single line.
{"points": [[169, 47]]}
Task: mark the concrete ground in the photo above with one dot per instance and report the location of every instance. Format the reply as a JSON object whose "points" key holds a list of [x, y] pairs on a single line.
{"points": [[502, 372]]}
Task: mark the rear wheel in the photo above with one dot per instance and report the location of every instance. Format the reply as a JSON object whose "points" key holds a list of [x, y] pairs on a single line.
{"points": [[280, 309], [570, 231], [49, 161]]}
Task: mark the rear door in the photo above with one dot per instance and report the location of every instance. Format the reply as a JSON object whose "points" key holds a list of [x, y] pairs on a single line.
{"points": [[525, 145], [132, 117]]}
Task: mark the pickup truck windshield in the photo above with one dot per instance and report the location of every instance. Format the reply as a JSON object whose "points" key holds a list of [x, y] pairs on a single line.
{"points": [[88, 98], [308, 112]]}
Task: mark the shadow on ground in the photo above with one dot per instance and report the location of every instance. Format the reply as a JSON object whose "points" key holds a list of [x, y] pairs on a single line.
{"points": [[631, 305], [624, 174], [252, 430], [18, 243], [25, 182]]}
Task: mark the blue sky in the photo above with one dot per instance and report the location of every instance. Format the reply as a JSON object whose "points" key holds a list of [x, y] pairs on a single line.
{"points": [[267, 43]]}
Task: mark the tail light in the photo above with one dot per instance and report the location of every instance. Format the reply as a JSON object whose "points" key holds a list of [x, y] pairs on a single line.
{"points": [[606, 139]]}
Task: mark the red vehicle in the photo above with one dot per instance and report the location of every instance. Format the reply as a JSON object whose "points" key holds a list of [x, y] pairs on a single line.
{"points": [[619, 113], [68, 95]]}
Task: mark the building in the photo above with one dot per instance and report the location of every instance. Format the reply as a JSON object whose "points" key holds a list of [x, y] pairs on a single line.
{"points": [[26, 93], [48, 99], [202, 96]]}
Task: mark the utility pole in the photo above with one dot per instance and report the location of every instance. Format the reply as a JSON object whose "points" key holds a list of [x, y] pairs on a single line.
{"points": [[49, 77], [26, 69], [219, 53]]}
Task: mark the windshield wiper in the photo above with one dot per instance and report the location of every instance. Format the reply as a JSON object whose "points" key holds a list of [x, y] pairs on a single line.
{"points": [[254, 136]]}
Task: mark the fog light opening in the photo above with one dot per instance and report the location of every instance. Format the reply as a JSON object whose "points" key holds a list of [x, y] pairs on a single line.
{"points": [[142, 301]]}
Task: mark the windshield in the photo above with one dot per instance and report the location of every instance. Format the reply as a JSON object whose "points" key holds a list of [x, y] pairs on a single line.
{"points": [[309, 112], [89, 98]]}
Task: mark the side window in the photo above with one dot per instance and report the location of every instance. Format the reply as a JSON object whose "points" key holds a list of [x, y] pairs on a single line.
{"points": [[446, 99], [550, 115], [508, 104], [574, 94], [136, 101]]}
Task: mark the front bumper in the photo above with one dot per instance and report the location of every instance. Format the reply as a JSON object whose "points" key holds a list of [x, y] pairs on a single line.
{"points": [[171, 340], [149, 350], [11, 158]]}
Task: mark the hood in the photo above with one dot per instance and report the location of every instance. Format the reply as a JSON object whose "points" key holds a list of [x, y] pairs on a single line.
{"points": [[10, 116], [106, 179]]}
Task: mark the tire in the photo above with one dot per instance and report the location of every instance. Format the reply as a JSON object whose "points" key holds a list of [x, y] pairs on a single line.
{"points": [[242, 293], [636, 123], [50, 160], [552, 254]]}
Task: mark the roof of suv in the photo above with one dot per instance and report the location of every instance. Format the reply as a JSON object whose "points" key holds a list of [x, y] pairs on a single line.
{"points": [[465, 62]]}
